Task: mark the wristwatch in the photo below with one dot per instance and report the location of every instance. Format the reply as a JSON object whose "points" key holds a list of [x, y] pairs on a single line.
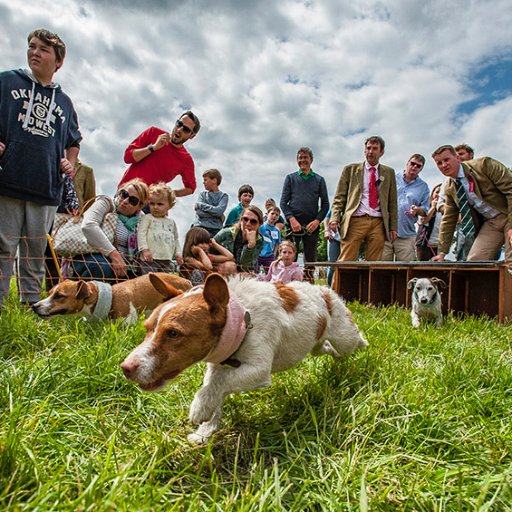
{"points": [[151, 148]]}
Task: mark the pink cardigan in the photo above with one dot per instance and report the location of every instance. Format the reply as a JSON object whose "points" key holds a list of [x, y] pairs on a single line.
{"points": [[278, 273]]}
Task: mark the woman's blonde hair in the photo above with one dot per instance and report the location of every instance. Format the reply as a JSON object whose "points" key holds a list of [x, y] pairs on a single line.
{"points": [[141, 188]]}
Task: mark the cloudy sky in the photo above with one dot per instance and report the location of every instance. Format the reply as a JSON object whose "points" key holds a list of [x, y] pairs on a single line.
{"points": [[266, 77]]}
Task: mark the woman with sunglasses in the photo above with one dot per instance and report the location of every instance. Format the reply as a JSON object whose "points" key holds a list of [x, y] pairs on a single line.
{"points": [[243, 239], [112, 262]]}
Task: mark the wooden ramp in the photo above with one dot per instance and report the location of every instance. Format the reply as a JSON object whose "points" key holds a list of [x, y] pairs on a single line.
{"points": [[474, 288]]}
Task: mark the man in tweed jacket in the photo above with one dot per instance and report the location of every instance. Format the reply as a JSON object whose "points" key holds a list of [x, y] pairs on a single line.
{"points": [[488, 187], [351, 212]]}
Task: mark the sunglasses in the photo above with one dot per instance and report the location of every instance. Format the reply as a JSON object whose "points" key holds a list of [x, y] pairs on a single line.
{"points": [[416, 164], [186, 129], [252, 222], [134, 201]]}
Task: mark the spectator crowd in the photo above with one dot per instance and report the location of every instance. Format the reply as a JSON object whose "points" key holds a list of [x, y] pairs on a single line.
{"points": [[375, 214]]}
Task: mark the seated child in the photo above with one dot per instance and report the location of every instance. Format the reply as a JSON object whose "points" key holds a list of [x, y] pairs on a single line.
{"points": [[211, 203], [271, 238], [157, 234], [245, 195], [284, 269], [198, 261]]}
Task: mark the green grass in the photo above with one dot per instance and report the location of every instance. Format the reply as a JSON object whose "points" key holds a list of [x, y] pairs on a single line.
{"points": [[418, 421]]}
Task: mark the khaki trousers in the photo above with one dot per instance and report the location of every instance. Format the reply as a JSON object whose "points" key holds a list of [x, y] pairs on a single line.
{"points": [[402, 249], [490, 238], [368, 229]]}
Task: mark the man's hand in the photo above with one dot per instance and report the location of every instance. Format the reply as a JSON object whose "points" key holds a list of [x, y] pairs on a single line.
{"points": [[509, 235], [295, 224], [334, 226], [179, 260], [393, 235], [2, 148], [163, 140], [438, 257], [312, 226], [67, 167]]}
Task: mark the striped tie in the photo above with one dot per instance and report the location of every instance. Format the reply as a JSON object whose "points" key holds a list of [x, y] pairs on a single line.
{"points": [[468, 228]]}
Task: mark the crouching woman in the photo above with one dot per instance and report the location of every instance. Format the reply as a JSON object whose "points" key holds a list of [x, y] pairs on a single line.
{"points": [[113, 262], [243, 240]]}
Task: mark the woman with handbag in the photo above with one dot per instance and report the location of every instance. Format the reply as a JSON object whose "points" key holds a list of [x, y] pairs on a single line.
{"points": [[115, 259]]}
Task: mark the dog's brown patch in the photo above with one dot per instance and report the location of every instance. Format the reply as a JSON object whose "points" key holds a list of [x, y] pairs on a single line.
{"points": [[321, 325], [289, 297], [328, 300]]}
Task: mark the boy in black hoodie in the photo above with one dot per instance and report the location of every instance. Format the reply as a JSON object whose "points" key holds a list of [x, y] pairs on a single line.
{"points": [[39, 142]]}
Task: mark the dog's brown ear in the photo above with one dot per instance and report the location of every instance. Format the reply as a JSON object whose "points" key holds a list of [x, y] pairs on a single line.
{"points": [[83, 292], [411, 283], [163, 288], [438, 282], [216, 293]]}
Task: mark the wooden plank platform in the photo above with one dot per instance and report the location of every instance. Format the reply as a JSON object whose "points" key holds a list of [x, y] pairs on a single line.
{"points": [[472, 287]]}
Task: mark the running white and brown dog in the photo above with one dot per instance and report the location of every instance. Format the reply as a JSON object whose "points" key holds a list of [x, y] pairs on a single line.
{"points": [[245, 330], [426, 300]]}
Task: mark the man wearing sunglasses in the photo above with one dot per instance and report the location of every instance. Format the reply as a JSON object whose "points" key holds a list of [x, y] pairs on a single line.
{"points": [[413, 200], [159, 156]]}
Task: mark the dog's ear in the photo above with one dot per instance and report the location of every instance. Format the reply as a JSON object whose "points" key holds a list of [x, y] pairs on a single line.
{"points": [[412, 282], [83, 292], [438, 282], [216, 293], [162, 287]]}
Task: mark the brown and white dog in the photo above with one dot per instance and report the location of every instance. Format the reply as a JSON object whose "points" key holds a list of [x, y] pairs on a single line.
{"points": [[97, 300], [245, 330]]}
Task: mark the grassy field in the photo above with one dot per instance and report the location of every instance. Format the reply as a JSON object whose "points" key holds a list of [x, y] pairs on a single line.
{"points": [[418, 421]]}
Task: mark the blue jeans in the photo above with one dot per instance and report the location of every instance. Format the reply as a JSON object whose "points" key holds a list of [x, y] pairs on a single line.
{"points": [[333, 252], [90, 267], [93, 267]]}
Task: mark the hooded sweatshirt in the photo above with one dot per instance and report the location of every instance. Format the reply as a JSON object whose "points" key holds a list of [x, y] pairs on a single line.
{"points": [[37, 123]]}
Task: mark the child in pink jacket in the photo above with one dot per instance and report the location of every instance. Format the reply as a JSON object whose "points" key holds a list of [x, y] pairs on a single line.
{"points": [[285, 268]]}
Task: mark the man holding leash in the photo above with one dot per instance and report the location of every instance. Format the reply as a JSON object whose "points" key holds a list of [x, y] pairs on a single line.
{"points": [[159, 156], [480, 190], [304, 203]]}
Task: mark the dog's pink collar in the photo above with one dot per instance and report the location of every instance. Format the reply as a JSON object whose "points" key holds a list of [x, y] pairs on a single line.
{"points": [[237, 323]]}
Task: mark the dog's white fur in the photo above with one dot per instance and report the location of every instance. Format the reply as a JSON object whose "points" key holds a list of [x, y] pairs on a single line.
{"points": [[288, 322], [426, 300], [129, 298]]}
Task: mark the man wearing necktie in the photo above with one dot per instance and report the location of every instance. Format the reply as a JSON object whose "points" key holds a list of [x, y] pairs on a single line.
{"points": [[480, 190], [364, 208]]}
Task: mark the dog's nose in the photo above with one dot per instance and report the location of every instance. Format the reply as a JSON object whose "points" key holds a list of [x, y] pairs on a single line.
{"points": [[129, 367], [424, 300]]}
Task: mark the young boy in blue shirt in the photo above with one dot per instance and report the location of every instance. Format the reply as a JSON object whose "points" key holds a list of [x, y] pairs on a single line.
{"points": [[211, 204], [271, 238]]}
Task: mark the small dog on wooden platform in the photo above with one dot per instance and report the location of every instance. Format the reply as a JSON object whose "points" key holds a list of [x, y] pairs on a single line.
{"points": [[426, 300], [245, 330]]}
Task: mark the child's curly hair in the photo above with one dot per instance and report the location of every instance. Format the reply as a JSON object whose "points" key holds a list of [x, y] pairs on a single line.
{"points": [[163, 189]]}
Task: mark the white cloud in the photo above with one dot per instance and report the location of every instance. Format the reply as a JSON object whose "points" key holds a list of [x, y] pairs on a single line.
{"points": [[268, 77]]}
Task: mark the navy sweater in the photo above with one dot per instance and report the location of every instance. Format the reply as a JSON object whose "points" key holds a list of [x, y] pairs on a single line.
{"points": [[37, 124], [300, 198]]}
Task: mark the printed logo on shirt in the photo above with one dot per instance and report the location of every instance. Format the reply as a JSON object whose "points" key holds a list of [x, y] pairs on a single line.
{"points": [[38, 123]]}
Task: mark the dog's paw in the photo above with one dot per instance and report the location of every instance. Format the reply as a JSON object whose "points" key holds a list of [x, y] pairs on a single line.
{"points": [[196, 438], [202, 407]]}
